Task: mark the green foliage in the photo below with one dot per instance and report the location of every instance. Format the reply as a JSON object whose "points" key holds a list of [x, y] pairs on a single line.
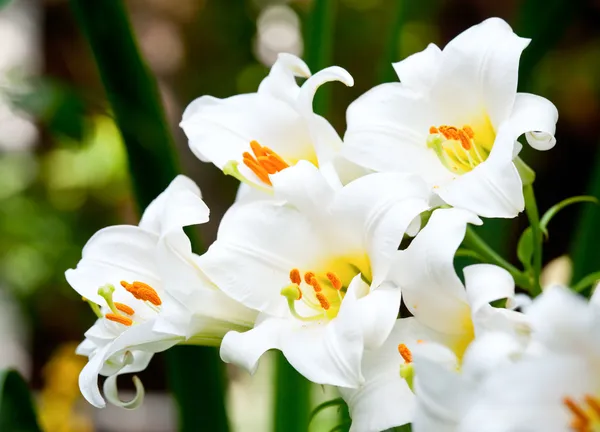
{"points": [[327, 404], [16, 405], [525, 248], [292, 398], [550, 213]]}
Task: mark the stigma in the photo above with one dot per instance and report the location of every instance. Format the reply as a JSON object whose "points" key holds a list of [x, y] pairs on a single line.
{"points": [[458, 149]]}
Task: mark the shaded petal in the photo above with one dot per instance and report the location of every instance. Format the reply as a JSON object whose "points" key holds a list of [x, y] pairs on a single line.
{"points": [[384, 400], [134, 338], [493, 189], [480, 69], [387, 131], [179, 205], [113, 254], [431, 289], [535, 117], [419, 70], [379, 309], [489, 352], [256, 239], [486, 283], [381, 218]]}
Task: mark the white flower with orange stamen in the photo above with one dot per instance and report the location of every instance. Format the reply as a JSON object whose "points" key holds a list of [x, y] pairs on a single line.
{"points": [[445, 311], [148, 292], [253, 136], [454, 119], [314, 262], [552, 386]]}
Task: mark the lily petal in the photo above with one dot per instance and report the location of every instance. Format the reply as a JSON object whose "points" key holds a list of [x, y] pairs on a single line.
{"points": [[535, 117], [419, 70], [486, 283], [425, 272]]}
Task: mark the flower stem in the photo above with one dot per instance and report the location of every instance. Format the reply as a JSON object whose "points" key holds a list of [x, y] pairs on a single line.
{"points": [[534, 221], [483, 250]]}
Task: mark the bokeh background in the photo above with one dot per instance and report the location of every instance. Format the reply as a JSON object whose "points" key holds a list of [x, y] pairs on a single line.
{"points": [[63, 166]]}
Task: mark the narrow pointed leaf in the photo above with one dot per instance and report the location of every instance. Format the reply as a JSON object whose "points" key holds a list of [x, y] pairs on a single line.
{"points": [[16, 404]]}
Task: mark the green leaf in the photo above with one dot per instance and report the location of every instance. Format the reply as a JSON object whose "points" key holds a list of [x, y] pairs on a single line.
{"points": [[4, 3], [561, 205], [194, 372], [16, 406], [586, 282], [525, 248], [584, 250], [292, 398]]}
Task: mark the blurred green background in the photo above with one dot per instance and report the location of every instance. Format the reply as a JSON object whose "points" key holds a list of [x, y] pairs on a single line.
{"points": [[63, 165]]}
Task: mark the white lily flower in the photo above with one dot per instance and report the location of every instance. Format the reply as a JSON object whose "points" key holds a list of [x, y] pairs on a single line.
{"points": [[148, 292], [454, 119], [253, 136], [444, 312], [552, 386], [314, 263]]}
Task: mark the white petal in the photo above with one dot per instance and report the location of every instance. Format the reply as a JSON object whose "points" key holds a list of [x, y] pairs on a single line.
{"points": [[535, 117], [262, 241], [419, 70], [489, 352], [493, 188], [113, 254], [382, 218], [486, 283], [384, 400], [379, 309], [281, 81], [134, 338], [310, 86], [480, 66], [387, 131], [112, 393], [221, 130], [425, 272]]}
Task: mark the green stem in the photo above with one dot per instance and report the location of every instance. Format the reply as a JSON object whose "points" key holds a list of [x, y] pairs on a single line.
{"points": [[292, 398], [536, 230], [481, 248], [586, 282], [135, 101]]}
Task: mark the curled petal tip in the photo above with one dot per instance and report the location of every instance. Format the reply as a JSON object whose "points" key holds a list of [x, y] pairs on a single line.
{"points": [[293, 63], [112, 393]]}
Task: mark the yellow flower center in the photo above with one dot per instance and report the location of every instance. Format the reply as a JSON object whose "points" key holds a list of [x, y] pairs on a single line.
{"points": [[462, 149], [585, 414], [314, 296]]}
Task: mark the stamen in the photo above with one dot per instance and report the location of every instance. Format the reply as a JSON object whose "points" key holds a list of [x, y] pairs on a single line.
{"points": [[433, 130], [335, 281], [94, 306], [315, 284], [581, 419], [147, 293], [256, 168], [464, 140], [405, 353], [267, 165], [593, 403], [295, 276], [323, 300], [257, 149], [124, 308], [308, 277], [119, 319], [293, 293], [276, 160], [469, 131]]}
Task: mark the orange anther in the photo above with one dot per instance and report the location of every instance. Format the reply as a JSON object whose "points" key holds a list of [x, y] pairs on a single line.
{"points": [[119, 319], [276, 160], [335, 281], [465, 141], [323, 301], [315, 284], [295, 276], [420, 341], [405, 353], [433, 130], [257, 149], [256, 168], [308, 277], [593, 403], [469, 131], [124, 308], [268, 166], [580, 418], [147, 293]]}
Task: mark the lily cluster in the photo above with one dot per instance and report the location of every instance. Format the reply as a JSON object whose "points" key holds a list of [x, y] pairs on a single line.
{"points": [[328, 237]]}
